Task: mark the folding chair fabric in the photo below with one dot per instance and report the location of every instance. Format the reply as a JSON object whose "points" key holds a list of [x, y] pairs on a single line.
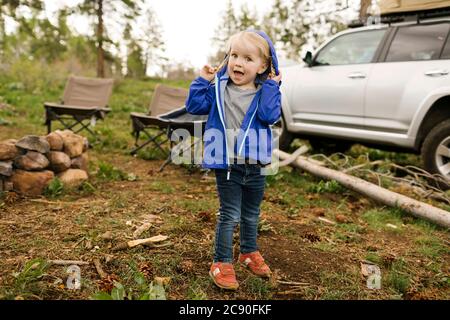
{"points": [[83, 99], [165, 100]]}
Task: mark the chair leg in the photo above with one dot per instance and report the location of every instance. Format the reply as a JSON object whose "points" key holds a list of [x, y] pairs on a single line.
{"points": [[151, 139], [86, 127], [137, 133], [169, 158]]}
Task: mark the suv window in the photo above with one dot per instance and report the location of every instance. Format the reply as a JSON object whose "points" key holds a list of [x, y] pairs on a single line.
{"points": [[351, 48], [419, 42]]}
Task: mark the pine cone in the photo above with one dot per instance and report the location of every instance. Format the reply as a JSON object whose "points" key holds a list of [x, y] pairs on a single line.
{"points": [[311, 237], [107, 284], [204, 216], [186, 266], [146, 269]]}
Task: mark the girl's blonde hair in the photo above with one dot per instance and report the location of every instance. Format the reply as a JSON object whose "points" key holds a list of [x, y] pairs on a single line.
{"points": [[254, 39]]}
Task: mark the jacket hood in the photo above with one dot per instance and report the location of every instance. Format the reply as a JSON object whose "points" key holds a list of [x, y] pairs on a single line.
{"points": [[273, 56]]}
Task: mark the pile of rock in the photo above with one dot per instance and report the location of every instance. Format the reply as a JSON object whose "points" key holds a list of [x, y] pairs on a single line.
{"points": [[28, 165]]}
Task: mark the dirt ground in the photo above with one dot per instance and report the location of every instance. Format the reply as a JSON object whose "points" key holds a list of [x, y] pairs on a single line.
{"points": [[310, 258]]}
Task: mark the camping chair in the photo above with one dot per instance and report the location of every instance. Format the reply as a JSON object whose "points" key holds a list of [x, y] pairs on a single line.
{"points": [[181, 119], [165, 99], [85, 100]]}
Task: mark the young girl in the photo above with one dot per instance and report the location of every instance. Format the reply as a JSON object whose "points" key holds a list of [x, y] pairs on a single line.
{"points": [[242, 102]]}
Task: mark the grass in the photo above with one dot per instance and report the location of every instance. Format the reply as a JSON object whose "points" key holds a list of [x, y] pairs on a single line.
{"points": [[331, 186], [259, 288], [341, 285], [161, 186], [197, 205], [27, 282], [325, 247], [373, 257], [398, 277], [195, 289], [107, 172], [430, 247], [378, 219], [54, 189]]}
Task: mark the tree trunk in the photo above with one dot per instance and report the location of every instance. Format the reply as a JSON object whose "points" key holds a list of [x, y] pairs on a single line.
{"points": [[390, 198], [100, 52]]}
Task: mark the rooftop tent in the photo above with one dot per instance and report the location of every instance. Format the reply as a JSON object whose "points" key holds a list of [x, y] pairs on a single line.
{"points": [[397, 6]]}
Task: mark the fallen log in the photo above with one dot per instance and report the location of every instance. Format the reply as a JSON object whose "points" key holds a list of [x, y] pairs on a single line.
{"points": [[390, 198]]}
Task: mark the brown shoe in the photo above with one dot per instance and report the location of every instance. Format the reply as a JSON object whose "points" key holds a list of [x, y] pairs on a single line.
{"points": [[223, 275], [255, 262]]}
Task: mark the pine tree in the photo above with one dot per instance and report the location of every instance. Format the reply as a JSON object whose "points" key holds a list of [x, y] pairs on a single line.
{"points": [[274, 23], [152, 42], [227, 27], [8, 9], [134, 58], [295, 34], [246, 19], [108, 12]]}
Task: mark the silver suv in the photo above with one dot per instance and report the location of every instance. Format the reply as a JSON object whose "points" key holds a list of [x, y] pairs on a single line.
{"points": [[386, 86]]}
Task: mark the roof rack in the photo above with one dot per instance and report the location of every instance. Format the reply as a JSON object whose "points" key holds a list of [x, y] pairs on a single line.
{"points": [[417, 16]]}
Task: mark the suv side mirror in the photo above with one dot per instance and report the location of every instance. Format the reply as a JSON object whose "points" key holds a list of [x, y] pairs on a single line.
{"points": [[308, 58]]}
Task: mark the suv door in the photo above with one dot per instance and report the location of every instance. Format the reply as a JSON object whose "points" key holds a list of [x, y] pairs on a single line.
{"points": [[408, 71], [331, 91]]}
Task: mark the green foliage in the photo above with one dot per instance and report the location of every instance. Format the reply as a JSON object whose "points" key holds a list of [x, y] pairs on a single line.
{"points": [[373, 257], [398, 277], [259, 287], [54, 189], [264, 226], [26, 282], [378, 219], [163, 187], [135, 64], [430, 246], [108, 172], [331, 186], [289, 176], [289, 24], [144, 291], [87, 188], [151, 154], [195, 290], [32, 271]]}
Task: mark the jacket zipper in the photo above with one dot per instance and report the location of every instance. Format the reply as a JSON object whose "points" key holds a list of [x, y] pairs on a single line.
{"points": [[219, 106], [248, 128]]}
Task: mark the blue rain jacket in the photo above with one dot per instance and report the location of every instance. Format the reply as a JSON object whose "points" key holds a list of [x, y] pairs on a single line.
{"points": [[254, 140]]}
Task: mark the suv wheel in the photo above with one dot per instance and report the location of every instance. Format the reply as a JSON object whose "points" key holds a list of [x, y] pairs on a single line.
{"points": [[281, 135], [436, 151]]}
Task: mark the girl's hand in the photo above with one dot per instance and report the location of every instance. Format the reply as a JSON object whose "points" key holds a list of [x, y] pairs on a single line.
{"points": [[207, 72], [275, 78]]}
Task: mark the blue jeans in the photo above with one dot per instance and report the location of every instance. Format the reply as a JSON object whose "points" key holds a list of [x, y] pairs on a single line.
{"points": [[240, 200]]}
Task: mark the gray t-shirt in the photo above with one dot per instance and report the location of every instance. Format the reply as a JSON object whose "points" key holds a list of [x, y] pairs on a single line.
{"points": [[237, 102]]}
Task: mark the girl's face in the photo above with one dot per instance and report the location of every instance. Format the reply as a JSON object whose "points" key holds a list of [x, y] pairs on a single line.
{"points": [[245, 63]]}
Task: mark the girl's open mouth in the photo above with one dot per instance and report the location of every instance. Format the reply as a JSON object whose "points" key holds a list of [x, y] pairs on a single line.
{"points": [[238, 73]]}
